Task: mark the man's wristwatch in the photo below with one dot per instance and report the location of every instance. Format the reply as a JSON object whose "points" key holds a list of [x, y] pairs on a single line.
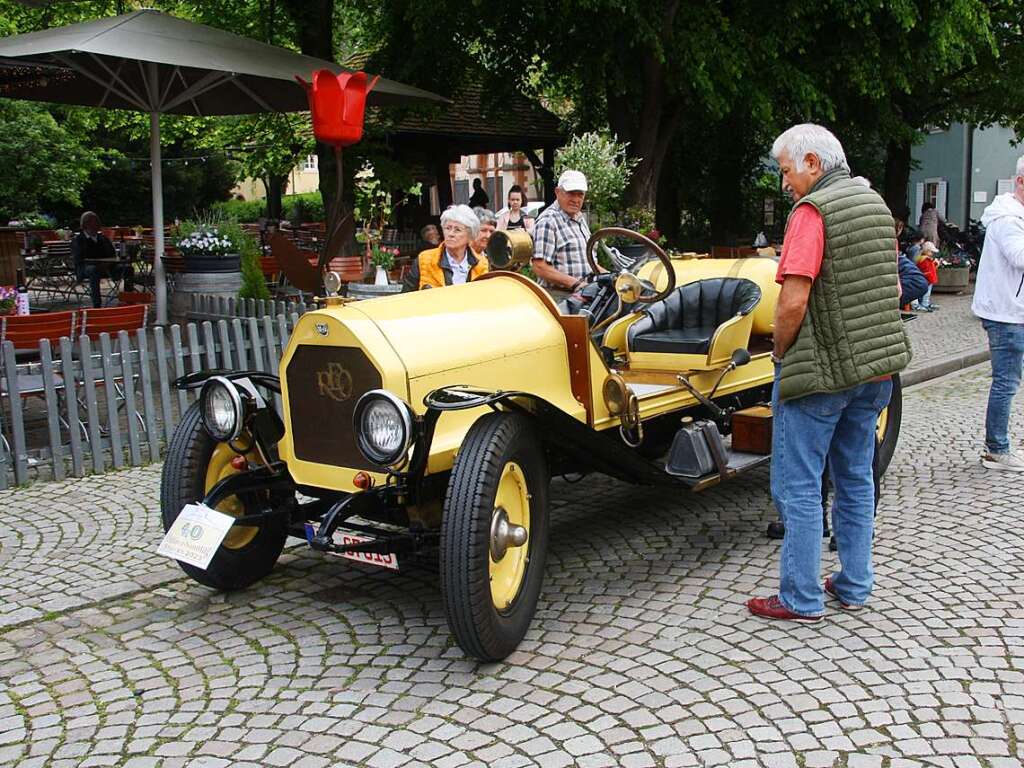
{"points": [[775, 359]]}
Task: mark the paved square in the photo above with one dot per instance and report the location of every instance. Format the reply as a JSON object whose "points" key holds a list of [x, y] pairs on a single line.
{"points": [[642, 653]]}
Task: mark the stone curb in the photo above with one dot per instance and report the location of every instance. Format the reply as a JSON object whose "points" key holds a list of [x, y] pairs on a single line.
{"points": [[944, 366]]}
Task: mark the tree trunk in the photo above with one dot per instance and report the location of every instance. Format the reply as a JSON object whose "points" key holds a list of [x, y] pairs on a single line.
{"points": [[314, 30], [897, 177], [275, 190], [649, 137]]}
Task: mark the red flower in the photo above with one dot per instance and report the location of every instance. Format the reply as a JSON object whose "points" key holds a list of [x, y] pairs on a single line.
{"points": [[337, 104]]}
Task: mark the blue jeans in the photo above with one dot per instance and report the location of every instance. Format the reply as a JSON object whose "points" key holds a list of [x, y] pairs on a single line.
{"points": [[1006, 340], [806, 431]]}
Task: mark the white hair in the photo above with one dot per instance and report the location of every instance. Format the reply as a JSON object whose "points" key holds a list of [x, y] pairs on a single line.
{"points": [[1020, 166], [462, 214], [485, 215], [810, 139]]}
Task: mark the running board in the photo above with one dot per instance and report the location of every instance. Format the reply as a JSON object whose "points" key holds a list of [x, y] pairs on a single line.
{"points": [[736, 463]]}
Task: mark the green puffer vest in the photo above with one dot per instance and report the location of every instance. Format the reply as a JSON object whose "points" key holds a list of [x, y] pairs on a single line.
{"points": [[852, 331]]}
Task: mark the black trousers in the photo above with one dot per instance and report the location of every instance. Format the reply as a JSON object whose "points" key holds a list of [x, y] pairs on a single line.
{"points": [[94, 272]]}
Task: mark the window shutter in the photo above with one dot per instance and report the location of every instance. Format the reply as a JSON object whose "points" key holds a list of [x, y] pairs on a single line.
{"points": [[915, 215], [940, 198]]}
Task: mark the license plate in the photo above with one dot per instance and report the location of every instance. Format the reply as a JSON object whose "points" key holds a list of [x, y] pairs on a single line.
{"points": [[195, 535], [344, 538]]}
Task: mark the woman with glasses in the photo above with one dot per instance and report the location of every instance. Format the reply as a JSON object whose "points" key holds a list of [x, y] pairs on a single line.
{"points": [[453, 262]]}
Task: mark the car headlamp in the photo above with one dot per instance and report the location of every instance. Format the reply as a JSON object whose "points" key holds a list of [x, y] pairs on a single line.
{"points": [[222, 409], [383, 428]]}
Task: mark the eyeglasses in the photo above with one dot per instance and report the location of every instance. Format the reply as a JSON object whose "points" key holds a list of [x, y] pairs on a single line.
{"points": [[454, 229]]}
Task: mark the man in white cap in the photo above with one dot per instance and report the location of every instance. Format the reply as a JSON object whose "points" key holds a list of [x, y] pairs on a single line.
{"points": [[560, 238]]}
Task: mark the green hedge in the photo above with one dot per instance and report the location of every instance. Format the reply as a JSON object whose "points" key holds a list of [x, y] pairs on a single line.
{"points": [[245, 211], [309, 207]]}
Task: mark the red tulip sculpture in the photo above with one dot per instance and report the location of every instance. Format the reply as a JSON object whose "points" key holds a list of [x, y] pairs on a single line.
{"points": [[337, 104]]}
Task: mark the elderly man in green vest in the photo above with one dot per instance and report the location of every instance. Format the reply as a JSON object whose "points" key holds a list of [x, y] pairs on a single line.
{"points": [[838, 338]]}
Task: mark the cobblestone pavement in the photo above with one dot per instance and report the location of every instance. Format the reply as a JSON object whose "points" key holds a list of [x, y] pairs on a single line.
{"points": [[952, 331], [642, 653]]}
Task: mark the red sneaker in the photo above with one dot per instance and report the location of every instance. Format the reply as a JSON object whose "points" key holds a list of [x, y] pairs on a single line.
{"points": [[772, 608], [830, 589]]}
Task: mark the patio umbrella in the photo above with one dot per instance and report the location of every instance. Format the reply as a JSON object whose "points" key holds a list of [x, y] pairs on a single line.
{"points": [[152, 62]]}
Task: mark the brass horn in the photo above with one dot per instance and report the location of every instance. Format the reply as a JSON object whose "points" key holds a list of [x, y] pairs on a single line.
{"points": [[509, 248]]}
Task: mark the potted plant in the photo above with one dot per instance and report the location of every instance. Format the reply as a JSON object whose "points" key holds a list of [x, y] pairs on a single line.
{"points": [[8, 300], [954, 270], [374, 208], [210, 248], [383, 258], [206, 248]]}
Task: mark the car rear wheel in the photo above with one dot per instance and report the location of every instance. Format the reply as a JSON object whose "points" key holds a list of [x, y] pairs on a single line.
{"points": [[195, 463], [887, 431], [494, 535]]}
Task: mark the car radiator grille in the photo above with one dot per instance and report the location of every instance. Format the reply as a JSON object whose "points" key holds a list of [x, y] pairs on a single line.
{"points": [[324, 384]]}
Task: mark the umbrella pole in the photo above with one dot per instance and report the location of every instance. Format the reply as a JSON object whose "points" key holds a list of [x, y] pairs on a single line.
{"points": [[159, 279]]}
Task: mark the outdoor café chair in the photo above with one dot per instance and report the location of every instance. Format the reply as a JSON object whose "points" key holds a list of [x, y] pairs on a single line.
{"points": [[26, 332], [112, 320]]}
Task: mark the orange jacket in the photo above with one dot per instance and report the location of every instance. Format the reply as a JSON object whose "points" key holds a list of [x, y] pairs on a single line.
{"points": [[430, 269]]}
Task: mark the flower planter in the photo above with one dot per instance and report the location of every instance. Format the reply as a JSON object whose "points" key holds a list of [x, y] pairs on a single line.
{"points": [[368, 291], [207, 276], [953, 280], [231, 262]]}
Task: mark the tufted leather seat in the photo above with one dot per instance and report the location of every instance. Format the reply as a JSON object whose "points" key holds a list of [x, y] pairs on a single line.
{"points": [[685, 321]]}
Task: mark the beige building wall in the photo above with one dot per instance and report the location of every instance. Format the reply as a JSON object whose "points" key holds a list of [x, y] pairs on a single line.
{"points": [[304, 177]]}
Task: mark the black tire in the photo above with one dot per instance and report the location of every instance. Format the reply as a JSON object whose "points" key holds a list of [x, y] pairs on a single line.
{"points": [[887, 445], [494, 441], [183, 481]]}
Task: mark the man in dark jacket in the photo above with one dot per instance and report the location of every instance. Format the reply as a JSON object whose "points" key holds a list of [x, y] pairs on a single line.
{"points": [[94, 258]]}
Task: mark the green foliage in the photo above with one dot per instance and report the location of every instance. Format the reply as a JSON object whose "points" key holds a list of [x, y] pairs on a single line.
{"points": [[254, 284], [245, 211], [44, 163], [382, 256], [374, 206], [308, 206], [604, 162]]}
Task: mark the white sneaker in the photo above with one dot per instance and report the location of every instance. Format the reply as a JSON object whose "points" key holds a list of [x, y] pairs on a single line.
{"points": [[1009, 462]]}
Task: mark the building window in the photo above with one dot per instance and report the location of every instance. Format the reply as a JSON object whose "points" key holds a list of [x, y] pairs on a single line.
{"points": [[311, 163], [931, 192]]}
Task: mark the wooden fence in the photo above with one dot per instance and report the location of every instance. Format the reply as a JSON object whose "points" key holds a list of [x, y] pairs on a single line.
{"points": [[87, 406], [220, 307]]}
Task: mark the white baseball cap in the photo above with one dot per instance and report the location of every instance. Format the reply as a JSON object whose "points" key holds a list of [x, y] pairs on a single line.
{"points": [[929, 247], [572, 181]]}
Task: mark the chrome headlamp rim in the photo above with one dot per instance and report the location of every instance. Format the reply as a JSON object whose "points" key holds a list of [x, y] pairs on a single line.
{"points": [[397, 457], [236, 405]]}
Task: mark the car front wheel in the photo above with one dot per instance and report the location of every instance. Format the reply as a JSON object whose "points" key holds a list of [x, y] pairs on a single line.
{"points": [[494, 535]]}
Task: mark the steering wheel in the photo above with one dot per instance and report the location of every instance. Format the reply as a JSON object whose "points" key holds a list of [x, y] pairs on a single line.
{"points": [[629, 289]]}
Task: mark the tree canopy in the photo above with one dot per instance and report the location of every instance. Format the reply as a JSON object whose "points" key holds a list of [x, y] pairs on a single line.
{"points": [[697, 90]]}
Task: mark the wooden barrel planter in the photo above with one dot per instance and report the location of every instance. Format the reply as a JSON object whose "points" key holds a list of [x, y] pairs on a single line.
{"points": [[207, 275], [953, 280], [369, 291]]}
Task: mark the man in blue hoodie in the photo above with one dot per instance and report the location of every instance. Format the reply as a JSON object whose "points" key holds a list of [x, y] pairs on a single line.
{"points": [[999, 302]]}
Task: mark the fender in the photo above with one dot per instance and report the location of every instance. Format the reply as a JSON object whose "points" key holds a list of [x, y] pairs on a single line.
{"points": [[197, 379], [264, 421], [562, 435]]}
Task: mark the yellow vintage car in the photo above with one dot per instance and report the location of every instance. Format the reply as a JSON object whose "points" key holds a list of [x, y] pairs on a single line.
{"points": [[435, 420]]}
